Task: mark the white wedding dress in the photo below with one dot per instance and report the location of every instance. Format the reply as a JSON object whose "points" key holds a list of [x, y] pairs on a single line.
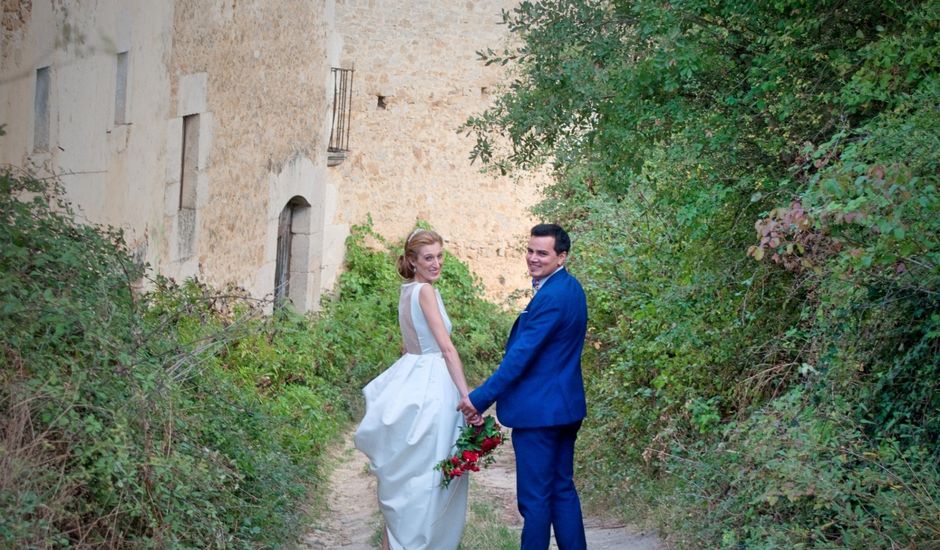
{"points": [[411, 423]]}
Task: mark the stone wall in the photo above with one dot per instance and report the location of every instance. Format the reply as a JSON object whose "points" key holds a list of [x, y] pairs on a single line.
{"points": [[417, 79], [267, 69], [111, 166], [193, 124]]}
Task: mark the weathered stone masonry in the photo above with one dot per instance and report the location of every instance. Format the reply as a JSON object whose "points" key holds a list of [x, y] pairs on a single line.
{"points": [[202, 128]]}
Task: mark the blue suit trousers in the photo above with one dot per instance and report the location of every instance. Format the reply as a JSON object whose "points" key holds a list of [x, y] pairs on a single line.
{"points": [[545, 485]]}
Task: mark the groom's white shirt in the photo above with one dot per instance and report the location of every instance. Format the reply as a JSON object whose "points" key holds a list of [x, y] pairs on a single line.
{"points": [[542, 281]]}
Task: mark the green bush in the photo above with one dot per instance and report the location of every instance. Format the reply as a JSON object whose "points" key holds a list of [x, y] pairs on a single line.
{"points": [[180, 416], [127, 418], [366, 307], [752, 192]]}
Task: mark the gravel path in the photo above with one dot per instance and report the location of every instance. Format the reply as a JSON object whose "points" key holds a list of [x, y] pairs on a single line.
{"points": [[352, 518], [498, 483]]}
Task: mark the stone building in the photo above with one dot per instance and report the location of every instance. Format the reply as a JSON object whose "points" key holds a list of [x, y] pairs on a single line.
{"points": [[238, 140]]}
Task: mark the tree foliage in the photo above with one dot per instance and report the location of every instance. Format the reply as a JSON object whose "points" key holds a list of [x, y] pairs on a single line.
{"points": [[752, 188]]}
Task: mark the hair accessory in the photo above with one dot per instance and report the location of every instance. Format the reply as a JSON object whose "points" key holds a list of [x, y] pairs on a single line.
{"points": [[412, 234]]}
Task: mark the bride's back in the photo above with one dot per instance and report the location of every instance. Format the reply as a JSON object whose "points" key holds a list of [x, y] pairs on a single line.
{"points": [[415, 332]]}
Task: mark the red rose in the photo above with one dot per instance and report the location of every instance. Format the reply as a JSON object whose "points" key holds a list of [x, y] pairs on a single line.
{"points": [[472, 450]]}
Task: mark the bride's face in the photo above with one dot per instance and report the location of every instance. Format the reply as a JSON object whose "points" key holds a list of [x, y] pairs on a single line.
{"points": [[429, 263]]}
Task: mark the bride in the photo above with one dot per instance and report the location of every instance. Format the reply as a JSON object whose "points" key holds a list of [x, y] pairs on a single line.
{"points": [[411, 420]]}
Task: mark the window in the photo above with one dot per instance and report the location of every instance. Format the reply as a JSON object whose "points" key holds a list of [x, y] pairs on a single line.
{"points": [[41, 110], [342, 113], [120, 90], [186, 215], [190, 163]]}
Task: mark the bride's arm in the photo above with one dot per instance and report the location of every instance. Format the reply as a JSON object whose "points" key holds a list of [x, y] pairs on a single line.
{"points": [[428, 301]]}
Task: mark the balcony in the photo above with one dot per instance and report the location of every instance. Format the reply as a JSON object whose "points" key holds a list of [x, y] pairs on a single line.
{"points": [[342, 116]]}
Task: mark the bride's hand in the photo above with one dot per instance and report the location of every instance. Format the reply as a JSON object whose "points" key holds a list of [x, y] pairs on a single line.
{"points": [[466, 407]]}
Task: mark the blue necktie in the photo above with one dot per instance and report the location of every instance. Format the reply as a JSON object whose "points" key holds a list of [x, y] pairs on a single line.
{"points": [[536, 283]]}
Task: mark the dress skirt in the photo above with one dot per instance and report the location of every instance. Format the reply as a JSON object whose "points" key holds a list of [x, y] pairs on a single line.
{"points": [[410, 424]]}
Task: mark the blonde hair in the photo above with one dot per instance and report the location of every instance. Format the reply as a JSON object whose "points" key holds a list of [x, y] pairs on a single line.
{"points": [[414, 242]]}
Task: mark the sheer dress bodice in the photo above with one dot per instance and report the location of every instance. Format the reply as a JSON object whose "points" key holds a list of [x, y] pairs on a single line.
{"points": [[415, 331]]}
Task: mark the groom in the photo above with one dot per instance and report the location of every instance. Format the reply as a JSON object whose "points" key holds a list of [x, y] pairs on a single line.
{"points": [[539, 393]]}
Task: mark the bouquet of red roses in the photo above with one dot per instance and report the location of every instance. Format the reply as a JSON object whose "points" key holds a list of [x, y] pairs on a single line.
{"points": [[474, 447]]}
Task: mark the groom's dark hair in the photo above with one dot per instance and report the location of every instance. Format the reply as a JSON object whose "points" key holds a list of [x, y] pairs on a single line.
{"points": [[562, 241]]}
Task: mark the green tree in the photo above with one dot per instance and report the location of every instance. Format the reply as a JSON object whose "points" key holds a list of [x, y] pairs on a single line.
{"points": [[785, 398]]}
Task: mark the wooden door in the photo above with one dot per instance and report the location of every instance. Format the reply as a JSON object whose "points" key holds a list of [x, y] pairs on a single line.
{"points": [[282, 266]]}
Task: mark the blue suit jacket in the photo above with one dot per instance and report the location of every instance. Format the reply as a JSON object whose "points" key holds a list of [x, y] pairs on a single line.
{"points": [[539, 383]]}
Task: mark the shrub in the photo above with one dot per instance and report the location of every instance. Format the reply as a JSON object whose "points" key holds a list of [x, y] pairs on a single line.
{"points": [[367, 310], [180, 416], [747, 389], [122, 422]]}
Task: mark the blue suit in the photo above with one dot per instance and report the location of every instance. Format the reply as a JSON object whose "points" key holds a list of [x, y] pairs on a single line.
{"points": [[539, 393]]}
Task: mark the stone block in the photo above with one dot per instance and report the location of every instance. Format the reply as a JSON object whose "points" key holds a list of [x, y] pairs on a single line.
{"points": [[123, 30], [331, 257], [202, 189], [301, 291], [300, 222], [264, 280], [171, 198], [188, 267], [206, 121], [117, 138], [300, 252], [270, 248], [191, 94], [185, 233], [174, 150], [330, 202]]}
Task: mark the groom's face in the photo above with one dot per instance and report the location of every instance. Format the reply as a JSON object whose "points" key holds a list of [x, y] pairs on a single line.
{"points": [[542, 258]]}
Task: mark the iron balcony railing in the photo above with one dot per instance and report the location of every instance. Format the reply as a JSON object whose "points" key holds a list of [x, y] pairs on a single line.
{"points": [[342, 111]]}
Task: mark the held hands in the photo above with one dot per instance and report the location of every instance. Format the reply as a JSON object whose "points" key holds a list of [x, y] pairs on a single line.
{"points": [[469, 411]]}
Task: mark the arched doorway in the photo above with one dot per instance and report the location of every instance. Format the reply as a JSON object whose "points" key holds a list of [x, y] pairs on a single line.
{"points": [[287, 233]]}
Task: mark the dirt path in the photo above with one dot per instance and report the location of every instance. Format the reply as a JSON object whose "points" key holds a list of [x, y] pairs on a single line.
{"points": [[498, 484], [352, 518]]}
